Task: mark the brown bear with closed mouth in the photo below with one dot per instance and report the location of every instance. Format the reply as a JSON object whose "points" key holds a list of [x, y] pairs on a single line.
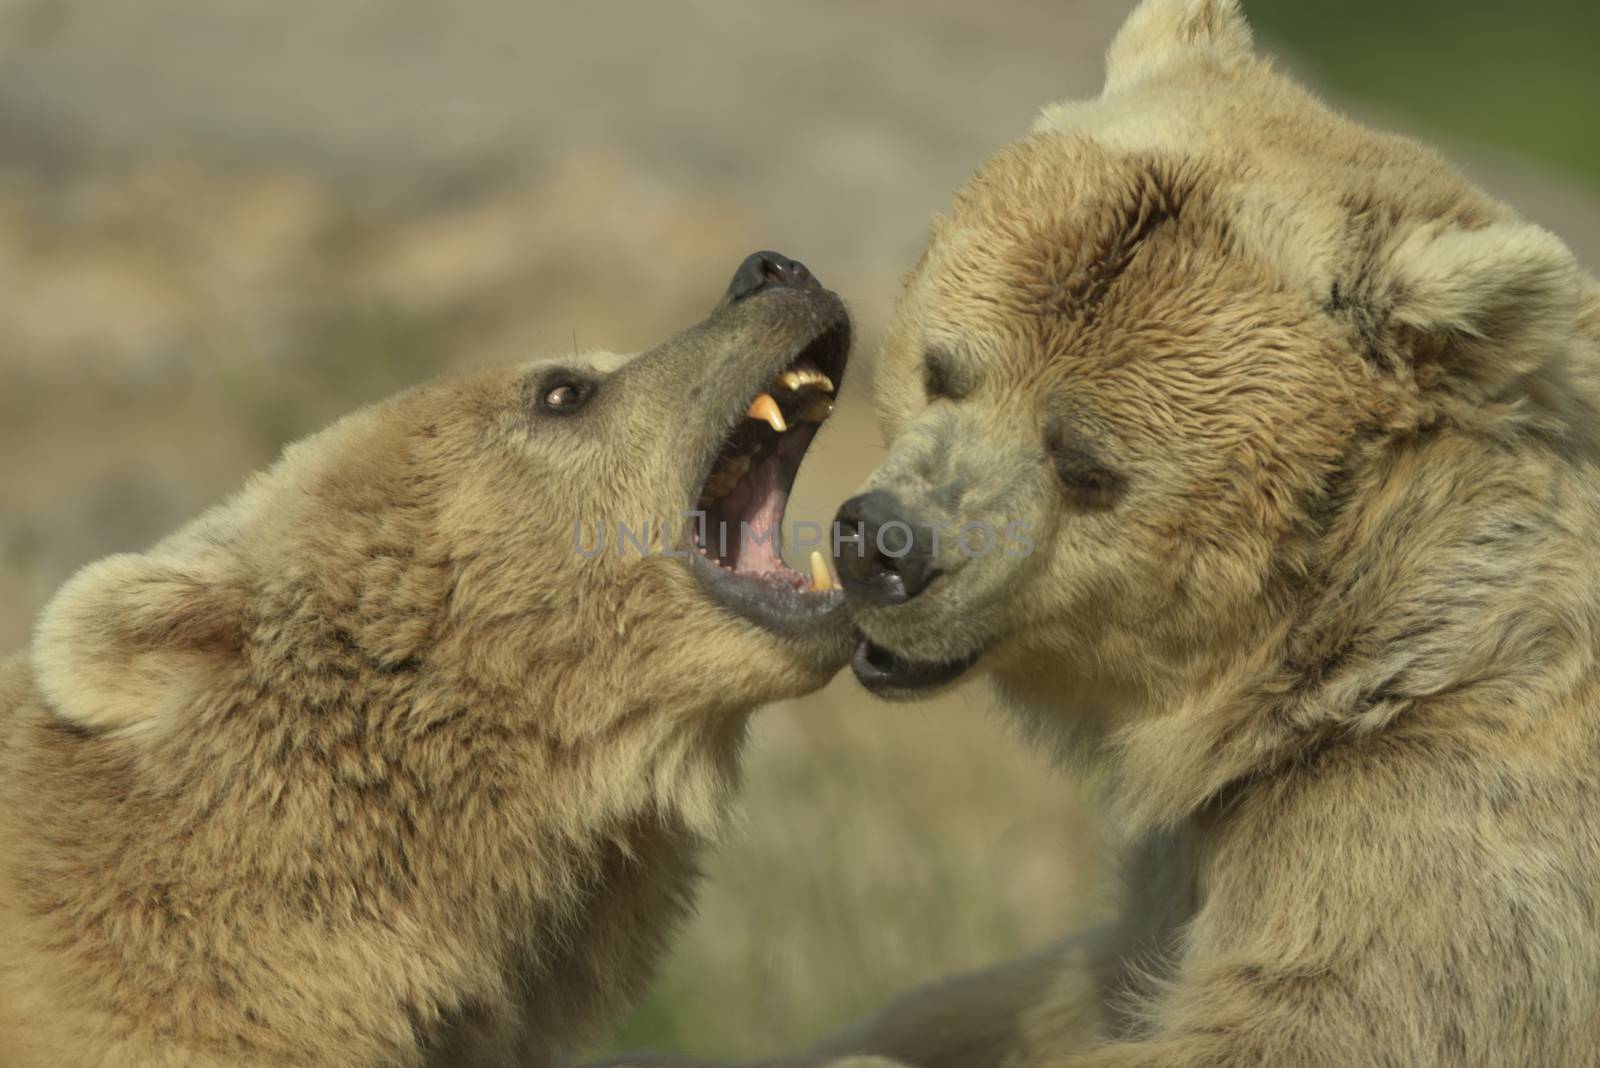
{"points": [[1300, 428], [391, 759]]}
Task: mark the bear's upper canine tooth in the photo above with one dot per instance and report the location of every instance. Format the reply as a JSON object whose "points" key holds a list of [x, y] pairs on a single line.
{"points": [[764, 407], [821, 577]]}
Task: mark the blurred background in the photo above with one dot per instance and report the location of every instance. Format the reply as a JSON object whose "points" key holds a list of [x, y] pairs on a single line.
{"points": [[222, 225]]}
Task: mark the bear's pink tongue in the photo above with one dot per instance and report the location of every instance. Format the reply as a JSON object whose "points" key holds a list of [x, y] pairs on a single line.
{"points": [[743, 527], [760, 519]]}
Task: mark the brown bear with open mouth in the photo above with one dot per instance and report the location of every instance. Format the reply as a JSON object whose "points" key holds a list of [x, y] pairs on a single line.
{"points": [[404, 754]]}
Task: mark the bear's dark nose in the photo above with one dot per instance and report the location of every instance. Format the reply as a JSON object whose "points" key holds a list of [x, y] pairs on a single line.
{"points": [[885, 553], [763, 270]]}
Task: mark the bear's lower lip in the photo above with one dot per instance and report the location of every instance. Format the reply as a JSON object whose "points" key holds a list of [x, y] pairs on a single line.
{"points": [[887, 675], [773, 603]]}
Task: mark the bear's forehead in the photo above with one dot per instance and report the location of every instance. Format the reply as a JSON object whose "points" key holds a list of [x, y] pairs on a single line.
{"points": [[1067, 246], [1119, 242], [1239, 145]]}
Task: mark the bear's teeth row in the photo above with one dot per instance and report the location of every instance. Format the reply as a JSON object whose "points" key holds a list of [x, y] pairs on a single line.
{"points": [[766, 409], [804, 378], [800, 378]]}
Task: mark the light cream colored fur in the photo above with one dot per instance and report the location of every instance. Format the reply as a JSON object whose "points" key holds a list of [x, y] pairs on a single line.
{"points": [[1326, 623], [367, 766]]}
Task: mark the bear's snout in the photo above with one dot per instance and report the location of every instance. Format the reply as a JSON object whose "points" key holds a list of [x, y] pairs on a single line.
{"points": [[887, 553]]}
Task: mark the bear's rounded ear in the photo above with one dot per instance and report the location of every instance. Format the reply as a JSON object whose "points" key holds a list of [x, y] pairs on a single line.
{"points": [[129, 640], [1496, 304], [1161, 32]]}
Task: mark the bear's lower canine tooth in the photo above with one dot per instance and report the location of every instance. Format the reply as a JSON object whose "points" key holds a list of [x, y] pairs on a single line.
{"points": [[764, 407], [821, 577]]}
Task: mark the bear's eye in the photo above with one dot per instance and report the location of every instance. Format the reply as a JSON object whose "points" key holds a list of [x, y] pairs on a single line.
{"points": [[1088, 482], [563, 395]]}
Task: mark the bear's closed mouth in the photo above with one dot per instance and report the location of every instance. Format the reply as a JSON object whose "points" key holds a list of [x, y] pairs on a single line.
{"points": [[889, 675], [739, 508]]}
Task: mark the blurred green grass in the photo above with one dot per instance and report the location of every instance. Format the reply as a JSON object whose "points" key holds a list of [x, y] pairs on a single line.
{"points": [[1515, 79]]}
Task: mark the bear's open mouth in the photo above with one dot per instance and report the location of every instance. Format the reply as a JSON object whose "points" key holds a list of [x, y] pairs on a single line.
{"points": [[738, 512]]}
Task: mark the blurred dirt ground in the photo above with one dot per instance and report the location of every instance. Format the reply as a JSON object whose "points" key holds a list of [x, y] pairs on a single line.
{"points": [[223, 225]]}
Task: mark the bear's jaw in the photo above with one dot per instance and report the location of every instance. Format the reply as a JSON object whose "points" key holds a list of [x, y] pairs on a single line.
{"points": [[736, 523]]}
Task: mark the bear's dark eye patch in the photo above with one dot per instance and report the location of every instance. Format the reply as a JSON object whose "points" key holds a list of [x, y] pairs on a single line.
{"points": [[562, 392], [941, 379], [1087, 479]]}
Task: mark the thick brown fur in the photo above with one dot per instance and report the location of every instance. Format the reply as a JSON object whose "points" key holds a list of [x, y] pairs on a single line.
{"points": [[369, 766], [1303, 427]]}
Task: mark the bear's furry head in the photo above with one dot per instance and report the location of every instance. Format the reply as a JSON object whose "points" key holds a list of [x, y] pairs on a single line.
{"points": [[456, 555], [390, 722], [1166, 340]]}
